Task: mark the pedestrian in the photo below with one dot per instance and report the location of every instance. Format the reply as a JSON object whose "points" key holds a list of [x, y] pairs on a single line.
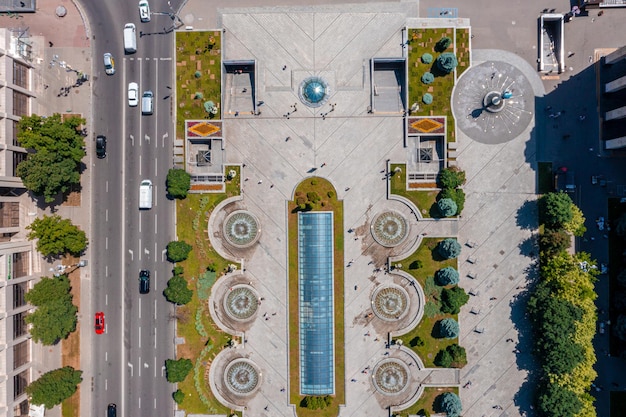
{"points": [[272, 186], [493, 298], [284, 67], [246, 179], [282, 389], [347, 188], [287, 138], [353, 380], [323, 165], [51, 44], [260, 182]]}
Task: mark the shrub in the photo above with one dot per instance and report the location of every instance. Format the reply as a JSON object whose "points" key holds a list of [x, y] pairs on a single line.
{"points": [[177, 370], [553, 241], [427, 98], [428, 78], [443, 44], [178, 250], [423, 412], [177, 291], [448, 403], [178, 396], [456, 194], [197, 74], [447, 276], [452, 299], [178, 183], [416, 341], [449, 248], [330, 194], [453, 356], [447, 62], [416, 264], [315, 402], [313, 197], [448, 328], [314, 182], [576, 225], [447, 207], [177, 271], [451, 178], [427, 58]]}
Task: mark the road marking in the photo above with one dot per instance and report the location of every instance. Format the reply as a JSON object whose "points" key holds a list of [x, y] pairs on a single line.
{"points": [[155, 228], [106, 186], [166, 59], [106, 215], [163, 252], [156, 192], [155, 402], [155, 248], [132, 139], [140, 249], [139, 164], [131, 257], [139, 399], [156, 163], [106, 270], [155, 368], [106, 242], [106, 299], [140, 363], [155, 338], [140, 345], [106, 356], [130, 365], [139, 307], [106, 384], [163, 139], [155, 289], [139, 221]]}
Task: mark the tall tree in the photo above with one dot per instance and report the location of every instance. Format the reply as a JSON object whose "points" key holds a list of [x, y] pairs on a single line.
{"points": [[55, 386], [57, 236], [555, 209]]}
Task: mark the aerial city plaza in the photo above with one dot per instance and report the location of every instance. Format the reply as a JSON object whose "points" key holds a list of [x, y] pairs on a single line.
{"points": [[333, 210]]}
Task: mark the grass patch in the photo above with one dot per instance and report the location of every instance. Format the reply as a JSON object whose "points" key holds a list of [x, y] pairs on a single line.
{"points": [[426, 254], [426, 401], [197, 52], [423, 40], [203, 339], [462, 42], [545, 178], [233, 186], [424, 200], [328, 194]]}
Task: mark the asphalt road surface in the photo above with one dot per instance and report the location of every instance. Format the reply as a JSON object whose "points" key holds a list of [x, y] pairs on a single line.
{"points": [[128, 360]]}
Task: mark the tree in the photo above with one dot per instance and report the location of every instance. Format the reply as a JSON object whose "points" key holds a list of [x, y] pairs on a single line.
{"points": [[448, 403], [177, 370], [448, 328], [447, 62], [427, 58], [177, 291], [312, 402], [178, 250], [427, 98], [451, 177], [416, 264], [453, 356], [443, 44], [449, 248], [576, 225], [555, 209], [56, 151], [452, 299], [558, 401], [178, 183], [456, 194], [55, 386], [554, 241], [428, 78], [447, 207], [55, 315], [416, 341], [57, 236], [178, 396], [447, 276]]}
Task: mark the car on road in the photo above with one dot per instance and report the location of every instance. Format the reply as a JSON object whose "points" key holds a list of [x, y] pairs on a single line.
{"points": [[133, 94], [144, 11], [112, 410], [99, 325], [101, 146], [144, 281], [109, 64]]}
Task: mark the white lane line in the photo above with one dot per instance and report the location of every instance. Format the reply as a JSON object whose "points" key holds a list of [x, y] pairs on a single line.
{"points": [[106, 186], [155, 339], [106, 215], [106, 242], [156, 192], [155, 227], [140, 399], [139, 307], [156, 161], [106, 356], [155, 403], [139, 367], [106, 270], [155, 289], [106, 384], [140, 221], [140, 249], [106, 299], [139, 163], [155, 248], [155, 367], [140, 345]]}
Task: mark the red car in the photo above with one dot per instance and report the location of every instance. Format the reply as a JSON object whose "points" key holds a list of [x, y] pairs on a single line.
{"points": [[99, 322]]}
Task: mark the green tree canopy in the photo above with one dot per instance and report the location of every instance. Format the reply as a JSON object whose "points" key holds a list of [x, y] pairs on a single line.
{"points": [[447, 207], [55, 315], [558, 401], [427, 58], [447, 62], [443, 44], [555, 209], [452, 299], [448, 328], [455, 194], [177, 291], [177, 370], [178, 396], [428, 78], [453, 356], [178, 250], [448, 403], [447, 276], [178, 183], [449, 249], [53, 387], [57, 147], [553, 241], [576, 225], [451, 177], [57, 236]]}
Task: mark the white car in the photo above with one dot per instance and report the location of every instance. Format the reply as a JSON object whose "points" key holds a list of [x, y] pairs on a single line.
{"points": [[109, 64], [144, 11], [133, 94]]}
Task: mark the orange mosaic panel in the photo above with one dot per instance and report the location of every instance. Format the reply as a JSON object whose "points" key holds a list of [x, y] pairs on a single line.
{"points": [[204, 129], [426, 125]]}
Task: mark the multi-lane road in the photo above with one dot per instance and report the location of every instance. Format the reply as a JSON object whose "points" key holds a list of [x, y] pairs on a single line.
{"points": [[128, 360]]}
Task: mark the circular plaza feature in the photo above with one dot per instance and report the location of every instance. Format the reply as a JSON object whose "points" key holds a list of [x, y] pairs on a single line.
{"points": [[493, 102], [242, 376], [241, 229], [390, 302], [389, 228], [391, 376], [313, 91], [241, 302]]}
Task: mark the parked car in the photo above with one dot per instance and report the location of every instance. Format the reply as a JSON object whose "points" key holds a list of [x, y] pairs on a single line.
{"points": [[109, 64], [101, 146], [99, 322], [112, 410], [144, 281], [133, 94], [144, 11]]}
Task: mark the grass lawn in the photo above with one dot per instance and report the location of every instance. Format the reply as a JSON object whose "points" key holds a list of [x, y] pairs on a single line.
{"points": [[233, 186], [422, 41], [192, 222], [424, 200], [431, 263], [426, 400], [462, 43], [322, 188], [198, 70], [545, 177]]}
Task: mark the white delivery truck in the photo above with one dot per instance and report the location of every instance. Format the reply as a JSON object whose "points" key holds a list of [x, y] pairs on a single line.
{"points": [[145, 195], [130, 38]]}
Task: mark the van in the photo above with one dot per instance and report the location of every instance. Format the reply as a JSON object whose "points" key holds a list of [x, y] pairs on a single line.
{"points": [[130, 38], [145, 195], [147, 102]]}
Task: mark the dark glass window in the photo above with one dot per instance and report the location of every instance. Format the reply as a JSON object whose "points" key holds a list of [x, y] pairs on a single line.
{"points": [[20, 74]]}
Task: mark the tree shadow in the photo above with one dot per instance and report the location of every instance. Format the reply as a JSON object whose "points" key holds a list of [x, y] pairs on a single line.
{"points": [[526, 218]]}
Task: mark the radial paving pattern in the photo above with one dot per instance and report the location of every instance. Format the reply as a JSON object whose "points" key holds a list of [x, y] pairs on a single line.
{"points": [[241, 377], [389, 228], [241, 303], [390, 302], [391, 376], [241, 229]]}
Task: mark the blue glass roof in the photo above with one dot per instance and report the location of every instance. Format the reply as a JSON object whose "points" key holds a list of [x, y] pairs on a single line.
{"points": [[316, 302], [314, 91]]}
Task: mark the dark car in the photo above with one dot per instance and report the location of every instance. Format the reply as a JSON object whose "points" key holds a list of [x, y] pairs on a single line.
{"points": [[101, 146], [144, 281], [112, 410]]}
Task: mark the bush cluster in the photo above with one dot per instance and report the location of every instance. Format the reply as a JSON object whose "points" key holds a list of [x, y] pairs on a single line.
{"points": [[428, 78], [560, 217], [316, 402], [449, 248], [178, 182], [427, 58], [177, 370], [448, 403], [453, 356], [177, 291], [450, 180]]}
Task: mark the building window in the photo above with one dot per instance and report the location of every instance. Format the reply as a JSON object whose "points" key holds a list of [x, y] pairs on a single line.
{"points": [[15, 130], [20, 382], [20, 74], [18, 157], [21, 409], [21, 354], [19, 290], [20, 328], [10, 214], [20, 264], [20, 104]]}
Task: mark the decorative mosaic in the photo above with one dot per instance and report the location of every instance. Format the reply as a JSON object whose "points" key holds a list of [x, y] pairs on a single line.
{"points": [[428, 125], [203, 129]]}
